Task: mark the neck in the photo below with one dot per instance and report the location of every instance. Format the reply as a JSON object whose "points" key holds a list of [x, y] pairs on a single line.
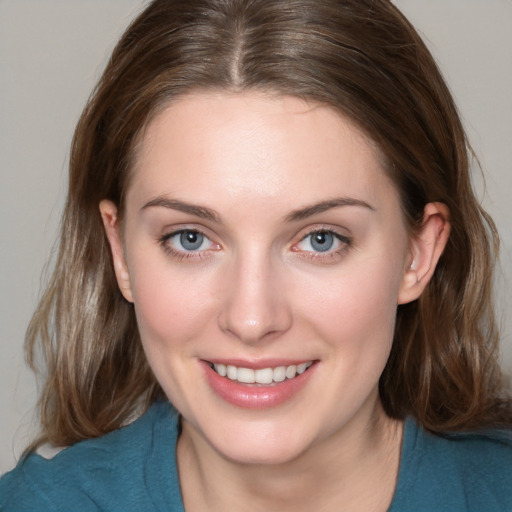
{"points": [[354, 469]]}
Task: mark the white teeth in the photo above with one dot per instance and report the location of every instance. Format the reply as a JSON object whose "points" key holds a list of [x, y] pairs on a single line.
{"points": [[245, 375], [221, 369], [231, 372], [301, 368], [279, 373], [262, 376], [291, 371]]}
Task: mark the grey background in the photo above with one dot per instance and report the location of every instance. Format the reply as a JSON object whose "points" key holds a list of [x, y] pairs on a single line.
{"points": [[52, 52]]}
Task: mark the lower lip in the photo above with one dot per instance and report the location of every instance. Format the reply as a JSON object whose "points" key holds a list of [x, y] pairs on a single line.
{"points": [[255, 396]]}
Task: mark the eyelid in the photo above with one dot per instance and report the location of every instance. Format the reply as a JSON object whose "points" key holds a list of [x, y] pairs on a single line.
{"points": [[178, 235], [168, 231], [179, 254], [337, 232], [330, 255]]}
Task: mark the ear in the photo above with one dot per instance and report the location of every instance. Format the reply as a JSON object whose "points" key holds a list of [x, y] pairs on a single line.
{"points": [[110, 221], [426, 249]]}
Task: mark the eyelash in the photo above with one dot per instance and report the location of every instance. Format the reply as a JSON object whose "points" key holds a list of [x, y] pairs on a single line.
{"points": [[179, 255], [329, 255]]}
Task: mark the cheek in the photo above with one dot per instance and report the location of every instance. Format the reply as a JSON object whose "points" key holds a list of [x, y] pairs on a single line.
{"points": [[355, 310], [172, 306], [174, 312], [357, 297]]}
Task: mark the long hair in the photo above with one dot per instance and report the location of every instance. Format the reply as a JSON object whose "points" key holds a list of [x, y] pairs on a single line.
{"points": [[362, 58]]}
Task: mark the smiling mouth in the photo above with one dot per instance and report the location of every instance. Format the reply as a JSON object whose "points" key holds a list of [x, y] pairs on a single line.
{"points": [[261, 376]]}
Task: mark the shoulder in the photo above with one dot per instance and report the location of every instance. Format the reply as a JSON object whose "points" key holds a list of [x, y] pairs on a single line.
{"points": [[465, 471], [480, 459], [93, 474]]}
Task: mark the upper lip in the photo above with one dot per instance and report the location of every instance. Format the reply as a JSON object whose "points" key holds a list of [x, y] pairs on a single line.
{"points": [[257, 364]]}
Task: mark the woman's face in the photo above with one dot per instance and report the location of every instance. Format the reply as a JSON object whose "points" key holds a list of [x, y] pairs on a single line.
{"points": [[262, 239]]}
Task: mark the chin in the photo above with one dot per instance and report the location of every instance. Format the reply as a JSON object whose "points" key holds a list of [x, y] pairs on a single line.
{"points": [[261, 454], [258, 443]]}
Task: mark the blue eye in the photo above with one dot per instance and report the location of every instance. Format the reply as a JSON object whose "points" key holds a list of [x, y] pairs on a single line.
{"points": [[191, 240], [323, 241], [187, 240]]}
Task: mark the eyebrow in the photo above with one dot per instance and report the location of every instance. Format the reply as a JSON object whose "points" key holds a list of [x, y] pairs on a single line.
{"points": [[323, 206], [207, 213], [173, 204]]}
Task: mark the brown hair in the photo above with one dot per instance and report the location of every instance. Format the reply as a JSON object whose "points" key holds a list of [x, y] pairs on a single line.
{"points": [[363, 58]]}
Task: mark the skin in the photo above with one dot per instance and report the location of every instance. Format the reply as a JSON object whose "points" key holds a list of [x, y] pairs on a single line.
{"points": [[258, 289]]}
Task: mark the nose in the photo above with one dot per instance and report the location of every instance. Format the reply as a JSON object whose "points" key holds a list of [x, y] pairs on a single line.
{"points": [[255, 306]]}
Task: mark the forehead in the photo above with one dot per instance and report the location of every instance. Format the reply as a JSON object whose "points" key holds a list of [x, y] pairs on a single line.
{"points": [[254, 146]]}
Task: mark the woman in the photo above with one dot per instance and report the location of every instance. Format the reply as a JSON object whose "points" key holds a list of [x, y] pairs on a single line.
{"points": [[270, 224]]}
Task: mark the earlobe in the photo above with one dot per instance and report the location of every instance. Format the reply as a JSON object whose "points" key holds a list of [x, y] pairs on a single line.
{"points": [[108, 212], [426, 249]]}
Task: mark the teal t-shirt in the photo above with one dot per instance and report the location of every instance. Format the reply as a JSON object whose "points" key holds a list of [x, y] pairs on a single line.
{"points": [[134, 469]]}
